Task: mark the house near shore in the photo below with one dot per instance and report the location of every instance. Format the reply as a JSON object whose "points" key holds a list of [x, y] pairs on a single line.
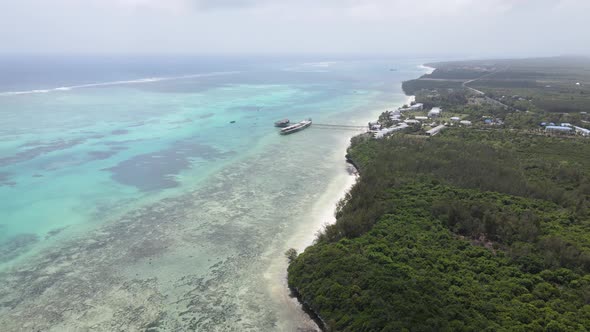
{"points": [[395, 116], [417, 107], [435, 112], [374, 125], [386, 131], [435, 130], [559, 130], [492, 121], [582, 131], [411, 121]]}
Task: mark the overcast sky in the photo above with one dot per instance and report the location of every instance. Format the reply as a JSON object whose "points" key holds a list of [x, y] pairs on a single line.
{"points": [[490, 27]]}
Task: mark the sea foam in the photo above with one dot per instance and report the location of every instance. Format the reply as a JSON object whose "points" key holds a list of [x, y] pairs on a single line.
{"points": [[124, 82]]}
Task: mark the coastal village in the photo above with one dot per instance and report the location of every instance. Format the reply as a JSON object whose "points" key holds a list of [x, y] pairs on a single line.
{"points": [[415, 118]]}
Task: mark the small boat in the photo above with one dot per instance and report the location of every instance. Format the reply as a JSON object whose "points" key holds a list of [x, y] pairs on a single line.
{"points": [[296, 127], [282, 123]]}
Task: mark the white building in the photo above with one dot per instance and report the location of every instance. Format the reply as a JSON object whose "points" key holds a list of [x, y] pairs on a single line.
{"points": [[455, 118], [465, 123], [421, 118], [559, 129], [435, 130], [386, 131], [582, 131], [374, 125], [417, 107], [411, 121], [434, 112], [395, 115]]}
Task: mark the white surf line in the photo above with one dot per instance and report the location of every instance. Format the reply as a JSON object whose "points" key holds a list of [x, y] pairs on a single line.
{"points": [[428, 70], [137, 81]]}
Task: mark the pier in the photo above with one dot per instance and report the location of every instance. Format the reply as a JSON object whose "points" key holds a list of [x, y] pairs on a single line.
{"points": [[339, 127]]}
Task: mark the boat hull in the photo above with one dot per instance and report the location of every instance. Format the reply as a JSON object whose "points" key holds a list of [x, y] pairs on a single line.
{"points": [[295, 128]]}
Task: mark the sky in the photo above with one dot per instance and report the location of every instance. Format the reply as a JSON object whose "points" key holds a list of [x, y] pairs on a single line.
{"points": [[478, 27]]}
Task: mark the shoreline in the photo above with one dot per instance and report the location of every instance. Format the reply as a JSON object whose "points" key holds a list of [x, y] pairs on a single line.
{"points": [[429, 70], [328, 208], [329, 214], [320, 214]]}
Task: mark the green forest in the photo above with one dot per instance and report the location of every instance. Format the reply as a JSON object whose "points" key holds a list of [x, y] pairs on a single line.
{"points": [[470, 230], [552, 85]]}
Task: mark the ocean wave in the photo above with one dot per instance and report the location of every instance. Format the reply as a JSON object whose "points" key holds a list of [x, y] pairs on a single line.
{"points": [[428, 70], [297, 70], [321, 64], [311, 67], [125, 82]]}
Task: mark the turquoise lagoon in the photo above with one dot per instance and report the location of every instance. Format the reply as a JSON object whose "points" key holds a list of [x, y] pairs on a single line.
{"points": [[129, 200]]}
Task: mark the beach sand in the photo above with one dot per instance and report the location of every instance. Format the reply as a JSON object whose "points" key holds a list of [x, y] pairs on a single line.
{"points": [[427, 70], [322, 214]]}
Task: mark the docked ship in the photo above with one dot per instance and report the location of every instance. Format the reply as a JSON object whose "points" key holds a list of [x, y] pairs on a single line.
{"points": [[296, 127], [282, 123]]}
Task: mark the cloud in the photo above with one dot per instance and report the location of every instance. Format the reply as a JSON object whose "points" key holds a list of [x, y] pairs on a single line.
{"points": [[197, 26], [384, 7]]}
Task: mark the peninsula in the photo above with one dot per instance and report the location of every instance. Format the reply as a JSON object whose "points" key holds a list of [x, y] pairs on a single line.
{"points": [[483, 226]]}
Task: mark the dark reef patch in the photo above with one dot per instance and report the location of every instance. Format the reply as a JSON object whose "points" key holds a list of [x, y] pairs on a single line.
{"points": [[16, 246], [54, 232], [138, 124], [181, 121], [6, 180], [120, 143], [154, 171], [120, 132], [39, 149], [206, 116], [101, 155]]}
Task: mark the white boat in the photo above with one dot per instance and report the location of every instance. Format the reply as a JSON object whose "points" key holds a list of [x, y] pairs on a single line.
{"points": [[296, 127]]}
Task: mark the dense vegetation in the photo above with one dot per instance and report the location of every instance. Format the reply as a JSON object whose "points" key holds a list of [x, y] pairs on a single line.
{"points": [[466, 231], [553, 85]]}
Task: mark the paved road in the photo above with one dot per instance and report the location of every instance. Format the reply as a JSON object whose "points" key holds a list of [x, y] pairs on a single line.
{"points": [[479, 92]]}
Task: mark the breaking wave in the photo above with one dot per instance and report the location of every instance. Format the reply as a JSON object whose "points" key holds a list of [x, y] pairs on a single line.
{"points": [[125, 82]]}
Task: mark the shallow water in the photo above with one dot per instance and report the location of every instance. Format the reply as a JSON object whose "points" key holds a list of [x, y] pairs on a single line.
{"points": [[138, 204]]}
